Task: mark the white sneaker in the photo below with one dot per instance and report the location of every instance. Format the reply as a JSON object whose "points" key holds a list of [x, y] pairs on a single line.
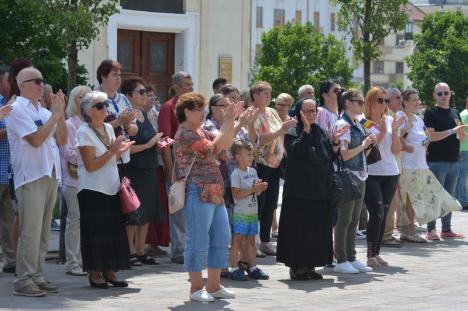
{"points": [[223, 293], [345, 267], [202, 295], [360, 266]]}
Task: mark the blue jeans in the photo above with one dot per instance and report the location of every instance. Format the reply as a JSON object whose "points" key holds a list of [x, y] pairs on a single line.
{"points": [[208, 234], [177, 231], [462, 186], [447, 174]]}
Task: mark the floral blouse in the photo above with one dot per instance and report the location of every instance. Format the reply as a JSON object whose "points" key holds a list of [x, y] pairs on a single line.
{"points": [[272, 153], [205, 173]]}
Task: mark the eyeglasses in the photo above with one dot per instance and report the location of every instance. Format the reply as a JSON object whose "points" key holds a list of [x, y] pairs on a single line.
{"points": [[223, 106], [37, 81], [440, 94], [100, 106], [359, 101], [381, 100], [141, 91], [337, 90], [312, 111], [282, 105], [198, 109]]}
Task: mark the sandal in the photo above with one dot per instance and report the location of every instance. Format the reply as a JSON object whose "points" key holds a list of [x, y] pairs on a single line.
{"points": [[147, 260], [134, 261], [415, 238], [372, 262]]}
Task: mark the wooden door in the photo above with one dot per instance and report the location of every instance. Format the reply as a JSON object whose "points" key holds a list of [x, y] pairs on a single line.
{"points": [[149, 55]]}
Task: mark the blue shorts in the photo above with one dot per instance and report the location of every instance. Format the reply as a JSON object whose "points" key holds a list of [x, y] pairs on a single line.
{"points": [[244, 224]]}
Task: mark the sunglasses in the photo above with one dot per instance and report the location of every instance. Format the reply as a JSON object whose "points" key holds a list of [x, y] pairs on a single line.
{"points": [[337, 90], [37, 81], [100, 106], [360, 102], [141, 91], [381, 100], [440, 94]]}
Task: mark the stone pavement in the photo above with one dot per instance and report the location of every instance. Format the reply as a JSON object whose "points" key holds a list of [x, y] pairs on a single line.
{"points": [[432, 276]]}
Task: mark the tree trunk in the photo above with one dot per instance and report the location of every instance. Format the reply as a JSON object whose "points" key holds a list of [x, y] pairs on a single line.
{"points": [[367, 80], [72, 60]]}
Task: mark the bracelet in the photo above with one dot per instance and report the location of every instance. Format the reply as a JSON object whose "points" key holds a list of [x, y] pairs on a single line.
{"points": [[450, 132], [337, 144]]}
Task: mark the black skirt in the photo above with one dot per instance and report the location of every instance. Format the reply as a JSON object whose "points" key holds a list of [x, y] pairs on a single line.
{"points": [[104, 244], [145, 182], [305, 234]]}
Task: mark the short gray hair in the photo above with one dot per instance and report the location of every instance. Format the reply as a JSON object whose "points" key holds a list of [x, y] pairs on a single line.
{"points": [[179, 76], [304, 88], [392, 91], [71, 107], [88, 102]]}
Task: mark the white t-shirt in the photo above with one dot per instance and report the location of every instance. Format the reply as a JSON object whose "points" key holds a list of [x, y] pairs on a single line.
{"points": [[388, 166], [243, 180], [416, 136], [106, 179], [362, 175], [326, 120], [28, 162]]}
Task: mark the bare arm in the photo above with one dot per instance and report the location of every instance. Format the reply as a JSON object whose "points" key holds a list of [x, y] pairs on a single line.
{"points": [[3, 134], [37, 138], [348, 154], [90, 161]]}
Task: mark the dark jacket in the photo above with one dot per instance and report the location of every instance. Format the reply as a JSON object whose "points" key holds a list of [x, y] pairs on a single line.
{"points": [[309, 164]]}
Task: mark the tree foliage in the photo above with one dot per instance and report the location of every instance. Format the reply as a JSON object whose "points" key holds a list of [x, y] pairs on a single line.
{"points": [[369, 22], [50, 31], [441, 56], [295, 54]]}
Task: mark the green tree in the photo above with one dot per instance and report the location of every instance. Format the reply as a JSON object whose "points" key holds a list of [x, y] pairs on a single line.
{"points": [[441, 56], [369, 22], [295, 54]]}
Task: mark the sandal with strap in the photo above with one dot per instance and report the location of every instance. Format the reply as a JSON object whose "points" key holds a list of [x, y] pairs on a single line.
{"points": [[147, 260], [134, 261]]}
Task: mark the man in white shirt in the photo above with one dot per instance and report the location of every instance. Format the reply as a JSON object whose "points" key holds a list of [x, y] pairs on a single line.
{"points": [[33, 134]]}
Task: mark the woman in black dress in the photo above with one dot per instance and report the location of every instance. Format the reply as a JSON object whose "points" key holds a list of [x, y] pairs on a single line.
{"points": [[305, 229], [141, 170]]}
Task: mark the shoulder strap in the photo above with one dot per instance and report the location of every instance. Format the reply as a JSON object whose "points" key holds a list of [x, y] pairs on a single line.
{"points": [[104, 140], [188, 173]]}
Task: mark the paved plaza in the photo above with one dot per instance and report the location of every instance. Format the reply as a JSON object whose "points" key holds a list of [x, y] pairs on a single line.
{"points": [[432, 276]]}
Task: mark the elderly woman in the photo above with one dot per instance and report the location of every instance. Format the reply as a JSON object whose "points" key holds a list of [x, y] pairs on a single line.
{"points": [[284, 102], [104, 245], [353, 145], [383, 175], [424, 199], [205, 214], [69, 161], [142, 172], [305, 230], [270, 130]]}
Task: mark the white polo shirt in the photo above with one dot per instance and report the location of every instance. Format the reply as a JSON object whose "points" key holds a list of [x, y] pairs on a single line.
{"points": [[28, 162]]}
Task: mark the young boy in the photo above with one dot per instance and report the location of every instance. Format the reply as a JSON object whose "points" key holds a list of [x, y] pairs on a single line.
{"points": [[245, 187]]}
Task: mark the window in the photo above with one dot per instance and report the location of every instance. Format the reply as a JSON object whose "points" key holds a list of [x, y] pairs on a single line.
{"points": [[298, 17], [399, 67], [163, 6], [317, 21], [259, 17], [378, 67], [399, 40], [409, 31], [332, 22], [278, 17]]}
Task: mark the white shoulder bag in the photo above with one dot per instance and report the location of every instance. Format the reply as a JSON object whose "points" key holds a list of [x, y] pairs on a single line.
{"points": [[177, 191]]}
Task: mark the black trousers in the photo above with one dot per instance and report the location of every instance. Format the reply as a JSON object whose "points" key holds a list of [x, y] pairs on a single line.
{"points": [[379, 194], [268, 200]]}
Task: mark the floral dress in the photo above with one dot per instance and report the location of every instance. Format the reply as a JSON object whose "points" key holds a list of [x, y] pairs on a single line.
{"points": [[197, 145]]}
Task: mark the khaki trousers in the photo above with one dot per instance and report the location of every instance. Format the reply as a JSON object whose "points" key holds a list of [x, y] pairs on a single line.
{"points": [[7, 216], [390, 222], [36, 201]]}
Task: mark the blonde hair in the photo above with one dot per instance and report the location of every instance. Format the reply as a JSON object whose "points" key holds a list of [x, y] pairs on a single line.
{"points": [[372, 100], [72, 108], [285, 98]]}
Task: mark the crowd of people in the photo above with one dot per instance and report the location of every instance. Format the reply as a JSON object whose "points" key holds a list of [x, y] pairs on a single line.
{"points": [[407, 167]]}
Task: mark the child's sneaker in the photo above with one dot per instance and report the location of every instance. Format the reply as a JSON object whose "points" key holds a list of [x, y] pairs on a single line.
{"points": [[258, 274], [238, 275]]}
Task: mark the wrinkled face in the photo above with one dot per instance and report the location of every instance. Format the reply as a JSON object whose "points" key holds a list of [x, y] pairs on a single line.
{"points": [[113, 80], [217, 109], [79, 97], [138, 96], [308, 93], [442, 94], [32, 84], [98, 112], [309, 110], [395, 102], [195, 117], [186, 86], [263, 98], [282, 107]]}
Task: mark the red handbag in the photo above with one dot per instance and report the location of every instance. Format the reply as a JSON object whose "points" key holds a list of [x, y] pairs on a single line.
{"points": [[128, 198]]}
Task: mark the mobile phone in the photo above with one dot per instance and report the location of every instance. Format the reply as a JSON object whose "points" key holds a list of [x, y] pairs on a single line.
{"points": [[165, 142]]}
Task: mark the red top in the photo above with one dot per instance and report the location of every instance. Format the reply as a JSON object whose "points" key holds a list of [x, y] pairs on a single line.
{"points": [[167, 121]]}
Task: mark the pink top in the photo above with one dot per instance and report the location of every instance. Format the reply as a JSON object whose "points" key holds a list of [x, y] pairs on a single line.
{"points": [[68, 152]]}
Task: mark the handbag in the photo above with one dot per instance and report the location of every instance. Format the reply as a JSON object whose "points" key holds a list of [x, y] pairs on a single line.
{"points": [[374, 155], [129, 201], [344, 188], [176, 196]]}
